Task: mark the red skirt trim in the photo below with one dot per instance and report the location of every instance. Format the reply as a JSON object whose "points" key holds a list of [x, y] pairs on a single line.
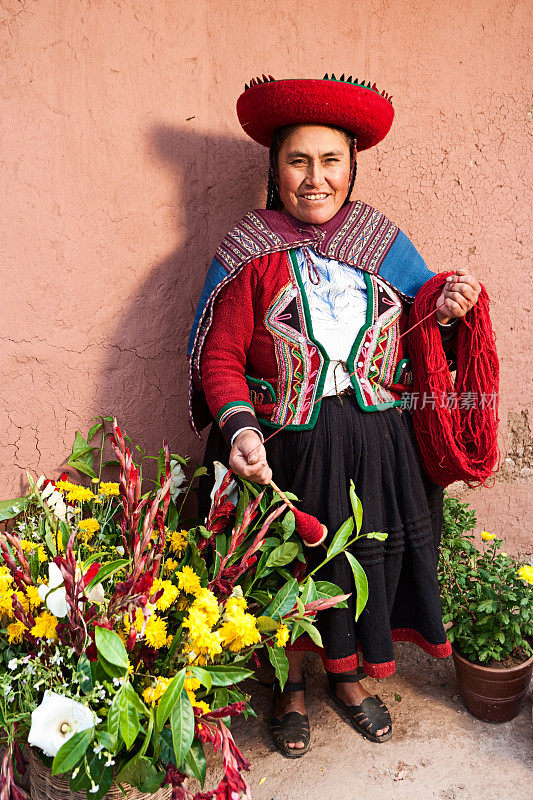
{"points": [[373, 670]]}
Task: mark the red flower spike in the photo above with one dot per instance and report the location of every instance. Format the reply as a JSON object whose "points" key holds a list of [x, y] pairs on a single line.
{"points": [[91, 573]]}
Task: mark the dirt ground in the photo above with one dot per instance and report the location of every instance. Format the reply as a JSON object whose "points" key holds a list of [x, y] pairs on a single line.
{"points": [[438, 750]]}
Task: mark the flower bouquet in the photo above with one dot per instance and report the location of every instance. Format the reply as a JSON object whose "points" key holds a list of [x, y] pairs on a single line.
{"points": [[125, 639]]}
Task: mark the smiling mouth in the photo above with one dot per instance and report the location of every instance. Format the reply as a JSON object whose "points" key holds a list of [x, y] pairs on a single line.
{"points": [[315, 196]]}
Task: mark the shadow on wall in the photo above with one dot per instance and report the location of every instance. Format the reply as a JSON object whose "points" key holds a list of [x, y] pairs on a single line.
{"points": [[144, 381]]}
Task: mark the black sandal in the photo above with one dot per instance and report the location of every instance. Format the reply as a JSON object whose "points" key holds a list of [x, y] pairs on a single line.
{"points": [[292, 727], [369, 716]]}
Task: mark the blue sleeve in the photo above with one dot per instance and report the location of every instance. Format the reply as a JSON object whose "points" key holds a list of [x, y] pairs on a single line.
{"points": [[215, 275], [404, 267]]}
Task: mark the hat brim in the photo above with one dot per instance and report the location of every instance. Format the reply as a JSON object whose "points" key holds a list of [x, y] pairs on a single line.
{"points": [[265, 107]]}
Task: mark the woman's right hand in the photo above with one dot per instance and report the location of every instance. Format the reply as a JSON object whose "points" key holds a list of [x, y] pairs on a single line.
{"points": [[248, 458]]}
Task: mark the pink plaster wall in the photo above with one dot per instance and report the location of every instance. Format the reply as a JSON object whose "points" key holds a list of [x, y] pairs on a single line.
{"points": [[123, 164]]}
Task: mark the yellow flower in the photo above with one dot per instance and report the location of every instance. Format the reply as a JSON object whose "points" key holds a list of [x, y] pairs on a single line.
{"points": [[5, 580], [33, 596], [206, 603], [178, 541], [15, 631], [65, 486], [233, 603], [525, 573], [239, 629], [45, 626], [200, 704], [191, 683], [156, 632], [79, 494], [110, 489], [89, 526], [487, 537], [171, 566], [282, 636], [152, 694], [203, 641], [170, 593], [188, 580]]}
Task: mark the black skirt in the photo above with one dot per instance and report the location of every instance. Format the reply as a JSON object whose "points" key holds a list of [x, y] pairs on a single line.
{"points": [[378, 451]]}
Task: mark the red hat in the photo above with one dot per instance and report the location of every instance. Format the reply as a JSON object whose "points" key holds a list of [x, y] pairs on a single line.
{"points": [[267, 104]]}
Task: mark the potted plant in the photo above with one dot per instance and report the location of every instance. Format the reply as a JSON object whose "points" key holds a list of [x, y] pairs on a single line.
{"points": [[487, 597], [124, 638]]}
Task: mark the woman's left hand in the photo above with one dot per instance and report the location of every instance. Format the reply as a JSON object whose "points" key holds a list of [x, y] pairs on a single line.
{"points": [[459, 294]]}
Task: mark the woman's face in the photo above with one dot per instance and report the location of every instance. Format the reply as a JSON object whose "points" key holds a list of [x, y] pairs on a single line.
{"points": [[313, 173]]}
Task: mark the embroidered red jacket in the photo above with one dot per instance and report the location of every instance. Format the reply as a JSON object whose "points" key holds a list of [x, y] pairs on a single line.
{"points": [[252, 348]]}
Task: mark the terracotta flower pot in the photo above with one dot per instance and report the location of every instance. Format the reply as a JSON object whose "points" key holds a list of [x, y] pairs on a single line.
{"points": [[493, 695]]}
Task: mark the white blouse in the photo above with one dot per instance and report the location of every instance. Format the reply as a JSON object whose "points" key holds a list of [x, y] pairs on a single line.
{"points": [[337, 299]]}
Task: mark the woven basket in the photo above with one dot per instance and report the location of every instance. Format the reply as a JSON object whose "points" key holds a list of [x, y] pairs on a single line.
{"points": [[45, 786]]}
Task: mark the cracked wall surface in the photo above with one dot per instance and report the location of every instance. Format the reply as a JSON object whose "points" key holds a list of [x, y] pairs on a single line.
{"points": [[122, 165]]}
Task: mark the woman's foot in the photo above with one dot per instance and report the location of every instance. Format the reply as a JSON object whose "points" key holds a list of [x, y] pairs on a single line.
{"points": [[367, 713], [353, 694], [288, 701]]}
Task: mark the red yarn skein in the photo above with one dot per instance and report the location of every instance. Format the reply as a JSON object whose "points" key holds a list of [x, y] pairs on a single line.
{"points": [[310, 529], [457, 440]]}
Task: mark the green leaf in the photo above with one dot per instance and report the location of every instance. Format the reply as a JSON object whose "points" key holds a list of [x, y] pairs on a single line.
{"points": [[70, 753], [361, 584], [357, 507], [341, 537], [113, 670], [203, 676], [195, 763], [86, 681], [282, 555], [12, 508], [280, 662], [313, 632], [262, 597], [377, 535], [309, 591], [129, 722], [326, 589], [105, 571], [113, 715], [288, 524], [92, 431], [223, 675], [110, 645], [284, 600], [135, 771], [266, 624], [133, 699], [82, 457], [182, 726], [169, 698], [152, 780]]}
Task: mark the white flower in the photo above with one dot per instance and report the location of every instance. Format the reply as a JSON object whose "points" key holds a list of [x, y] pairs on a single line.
{"points": [[54, 596], [96, 595], [54, 500], [177, 476], [12, 663], [232, 491], [56, 720]]}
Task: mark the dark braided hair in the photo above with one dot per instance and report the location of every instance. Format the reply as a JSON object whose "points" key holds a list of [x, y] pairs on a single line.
{"points": [[273, 198]]}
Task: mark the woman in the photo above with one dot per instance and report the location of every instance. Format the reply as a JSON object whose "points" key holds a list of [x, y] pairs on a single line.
{"points": [[309, 300]]}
